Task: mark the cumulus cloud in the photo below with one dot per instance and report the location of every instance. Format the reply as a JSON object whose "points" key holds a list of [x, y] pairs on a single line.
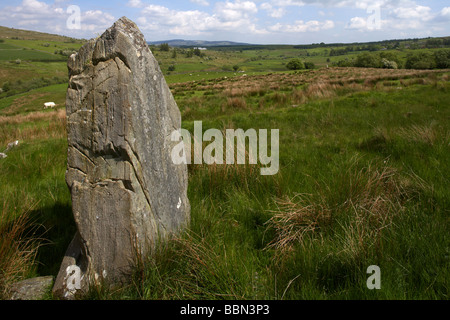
{"points": [[236, 16], [301, 26], [201, 2], [272, 11], [135, 3], [52, 18], [414, 12]]}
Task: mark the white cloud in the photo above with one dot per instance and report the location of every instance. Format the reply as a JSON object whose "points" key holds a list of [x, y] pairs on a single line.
{"points": [[416, 12], [52, 18], [237, 16], [301, 26], [357, 23], [273, 12], [201, 2], [232, 11], [445, 12], [135, 3]]}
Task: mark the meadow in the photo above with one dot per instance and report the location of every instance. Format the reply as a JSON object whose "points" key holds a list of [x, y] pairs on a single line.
{"points": [[363, 180]]}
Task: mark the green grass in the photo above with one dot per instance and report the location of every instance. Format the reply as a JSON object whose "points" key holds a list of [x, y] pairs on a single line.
{"points": [[369, 192], [33, 100], [14, 54]]}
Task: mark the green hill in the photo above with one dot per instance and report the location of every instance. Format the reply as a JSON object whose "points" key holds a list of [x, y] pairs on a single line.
{"points": [[11, 33]]}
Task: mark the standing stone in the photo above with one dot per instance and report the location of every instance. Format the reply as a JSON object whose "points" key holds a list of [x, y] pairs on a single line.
{"points": [[126, 192]]}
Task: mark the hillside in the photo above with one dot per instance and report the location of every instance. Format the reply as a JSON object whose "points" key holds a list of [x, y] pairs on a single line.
{"points": [[197, 43], [11, 33]]}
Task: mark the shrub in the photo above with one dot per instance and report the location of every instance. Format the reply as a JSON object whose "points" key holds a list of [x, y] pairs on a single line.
{"points": [[389, 64], [164, 47], [367, 60], [171, 68], [295, 64], [309, 65], [344, 63], [442, 58], [391, 56], [6, 86], [420, 60]]}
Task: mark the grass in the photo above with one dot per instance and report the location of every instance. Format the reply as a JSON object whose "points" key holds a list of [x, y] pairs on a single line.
{"points": [[354, 190], [363, 178], [18, 247]]}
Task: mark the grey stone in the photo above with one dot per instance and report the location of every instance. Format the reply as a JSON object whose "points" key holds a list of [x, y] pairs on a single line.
{"points": [[31, 289], [126, 192]]}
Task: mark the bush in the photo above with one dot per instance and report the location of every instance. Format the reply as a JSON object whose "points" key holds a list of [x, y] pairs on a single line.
{"points": [[171, 68], [309, 65], [367, 60], [391, 56], [295, 64], [164, 47], [420, 60], [442, 59], [6, 86], [344, 63], [387, 64]]}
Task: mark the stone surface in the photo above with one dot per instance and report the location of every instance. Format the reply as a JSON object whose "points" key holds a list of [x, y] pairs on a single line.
{"points": [[126, 192], [31, 289]]}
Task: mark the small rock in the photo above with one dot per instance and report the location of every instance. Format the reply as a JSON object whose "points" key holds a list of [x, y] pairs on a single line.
{"points": [[31, 289]]}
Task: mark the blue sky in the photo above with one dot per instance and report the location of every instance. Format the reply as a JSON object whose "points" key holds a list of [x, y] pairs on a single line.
{"points": [[251, 21]]}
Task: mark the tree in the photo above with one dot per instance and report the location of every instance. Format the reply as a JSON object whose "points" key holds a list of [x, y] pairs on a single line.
{"points": [[295, 64], [309, 65], [442, 58], [388, 64], [197, 52], [391, 56], [367, 60], [6, 86], [420, 60], [164, 47], [236, 68]]}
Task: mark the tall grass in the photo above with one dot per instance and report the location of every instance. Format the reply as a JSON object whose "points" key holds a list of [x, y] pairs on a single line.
{"points": [[362, 181], [18, 248], [363, 204]]}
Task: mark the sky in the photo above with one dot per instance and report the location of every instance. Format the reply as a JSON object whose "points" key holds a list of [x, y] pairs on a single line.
{"points": [[249, 21]]}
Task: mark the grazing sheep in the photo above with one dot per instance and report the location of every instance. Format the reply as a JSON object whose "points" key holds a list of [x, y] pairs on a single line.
{"points": [[49, 105]]}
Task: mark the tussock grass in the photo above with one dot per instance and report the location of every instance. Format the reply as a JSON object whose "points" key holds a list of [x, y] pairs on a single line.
{"points": [[363, 204], [18, 247], [187, 268], [422, 133], [33, 126]]}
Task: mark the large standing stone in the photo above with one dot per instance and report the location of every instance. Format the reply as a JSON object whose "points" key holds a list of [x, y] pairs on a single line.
{"points": [[126, 192]]}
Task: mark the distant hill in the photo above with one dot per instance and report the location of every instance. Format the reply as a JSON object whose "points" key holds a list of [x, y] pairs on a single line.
{"points": [[11, 33], [197, 43]]}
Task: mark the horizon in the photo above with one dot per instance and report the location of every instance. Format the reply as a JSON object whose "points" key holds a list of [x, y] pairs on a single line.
{"points": [[262, 22]]}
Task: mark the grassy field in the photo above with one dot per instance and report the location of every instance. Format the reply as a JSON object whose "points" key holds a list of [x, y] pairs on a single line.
{"points": [[363, 180]]}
